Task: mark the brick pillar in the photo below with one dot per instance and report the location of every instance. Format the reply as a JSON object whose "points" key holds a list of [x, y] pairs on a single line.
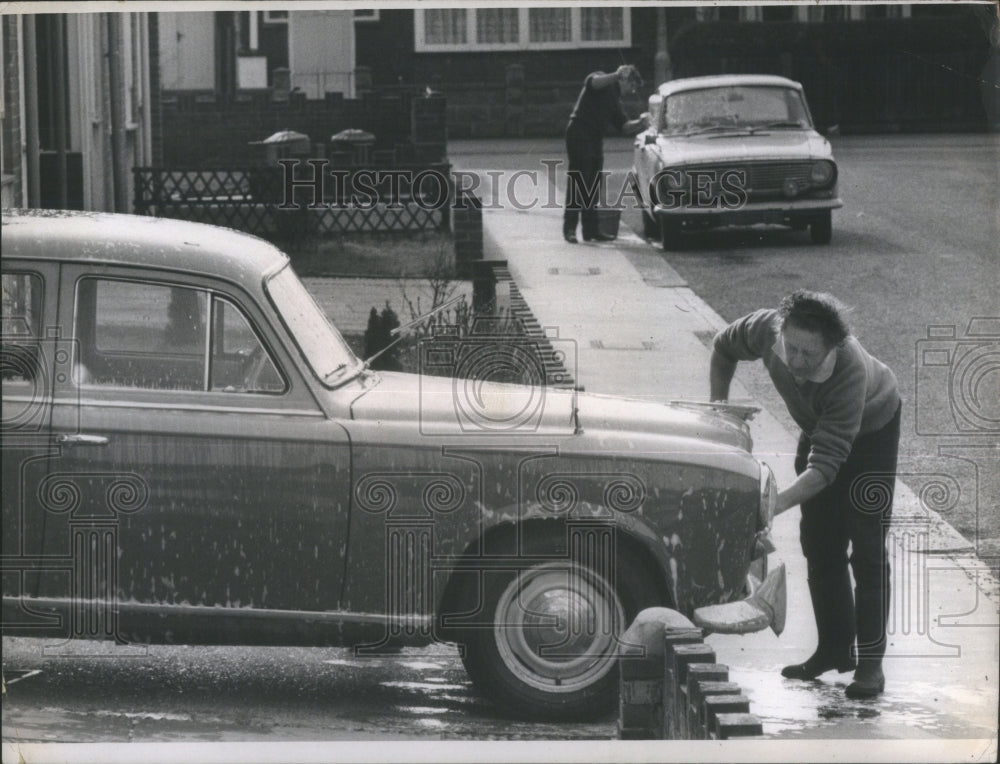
{"points": [[467, 224]]}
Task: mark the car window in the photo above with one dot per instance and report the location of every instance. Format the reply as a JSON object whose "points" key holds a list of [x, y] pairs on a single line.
{"points": [[155, 336], [738, 106], [21, 326], [239, 360]]}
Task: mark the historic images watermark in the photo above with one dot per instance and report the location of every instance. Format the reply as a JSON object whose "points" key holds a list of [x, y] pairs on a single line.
{"points": [[61, 523], [500, 544], [314, 184]]}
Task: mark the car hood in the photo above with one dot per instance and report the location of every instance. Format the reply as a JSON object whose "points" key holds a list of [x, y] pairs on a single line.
{"points": [[721, 147], [444, 406]]}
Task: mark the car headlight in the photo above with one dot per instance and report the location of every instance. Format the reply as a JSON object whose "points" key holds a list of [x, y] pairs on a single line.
{"points": [[822, 173], [768, 498]]}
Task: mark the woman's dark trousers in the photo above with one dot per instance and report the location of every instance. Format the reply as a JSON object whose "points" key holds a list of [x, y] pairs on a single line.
{"points": [[855, 508], [583, 177]]}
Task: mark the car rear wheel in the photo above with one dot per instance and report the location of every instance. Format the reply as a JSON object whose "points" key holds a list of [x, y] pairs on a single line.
{"points": [[821, 229], [550, 651], [670, 234]]}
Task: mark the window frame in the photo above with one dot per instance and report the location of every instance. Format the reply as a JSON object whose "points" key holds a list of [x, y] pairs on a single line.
{"points": [[212, 295], [576, 40]]}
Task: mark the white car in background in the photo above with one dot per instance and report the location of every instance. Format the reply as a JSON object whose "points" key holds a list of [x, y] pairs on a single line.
{"points": [[733, 150]]}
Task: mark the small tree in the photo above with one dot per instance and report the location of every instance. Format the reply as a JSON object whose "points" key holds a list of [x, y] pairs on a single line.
{"points": [[378, 337]]}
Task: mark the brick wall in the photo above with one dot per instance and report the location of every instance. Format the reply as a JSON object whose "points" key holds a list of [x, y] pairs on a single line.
{"points": [[672, 688], [202, 129]]}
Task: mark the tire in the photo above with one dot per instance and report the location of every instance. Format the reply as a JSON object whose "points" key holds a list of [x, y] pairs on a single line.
{"points": [[821, 229], [650, 228], [507, 661], [670, 234]]}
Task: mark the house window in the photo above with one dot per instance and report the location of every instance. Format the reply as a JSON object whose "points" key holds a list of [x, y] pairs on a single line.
{"points": [[475, 29], [497, 26], [550, 25], [602, 24]]}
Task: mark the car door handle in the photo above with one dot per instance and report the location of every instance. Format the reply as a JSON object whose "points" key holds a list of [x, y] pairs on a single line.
{"points": [[80, 439]]}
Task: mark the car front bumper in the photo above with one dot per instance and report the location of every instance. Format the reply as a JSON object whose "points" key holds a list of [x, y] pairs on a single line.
{"points": [[765, 606], [777, 211]]}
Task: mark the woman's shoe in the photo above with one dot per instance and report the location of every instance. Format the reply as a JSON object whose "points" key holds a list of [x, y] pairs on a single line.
{"points": [[869, 682], [819, 663]]}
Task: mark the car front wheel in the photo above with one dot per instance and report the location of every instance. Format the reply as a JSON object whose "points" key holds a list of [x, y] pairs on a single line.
{"points": [[649, 227], [670, 234], [821, 229], [551, 649]]}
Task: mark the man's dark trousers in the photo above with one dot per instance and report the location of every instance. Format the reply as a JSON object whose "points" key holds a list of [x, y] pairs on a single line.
{"points": [[586, 161], [855, 508]]}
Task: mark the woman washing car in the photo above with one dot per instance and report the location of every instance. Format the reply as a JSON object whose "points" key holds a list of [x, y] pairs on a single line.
{"points": [[598, 105], [847, 404]]}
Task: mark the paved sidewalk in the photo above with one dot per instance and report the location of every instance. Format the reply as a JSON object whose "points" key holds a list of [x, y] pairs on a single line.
{"points": [[640, 331]]}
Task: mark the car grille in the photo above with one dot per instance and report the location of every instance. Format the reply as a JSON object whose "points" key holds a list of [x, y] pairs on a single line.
{"points": [[770, 177], [764, 180]]}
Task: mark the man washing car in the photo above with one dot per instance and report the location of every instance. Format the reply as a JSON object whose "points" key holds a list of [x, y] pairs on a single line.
{"points": [[598, 105], [847, 404]]}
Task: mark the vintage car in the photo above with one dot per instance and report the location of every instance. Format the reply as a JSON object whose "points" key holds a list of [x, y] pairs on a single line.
{"points": [[733, 150], [192, 454]]}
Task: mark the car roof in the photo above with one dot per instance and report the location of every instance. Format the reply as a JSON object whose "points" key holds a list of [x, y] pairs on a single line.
{"points": [[725, 80], [115, 239]]}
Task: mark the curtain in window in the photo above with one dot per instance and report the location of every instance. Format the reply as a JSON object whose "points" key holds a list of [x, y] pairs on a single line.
{"points": [[445, 26], [496, 25], [550, 24], [602, 24]]}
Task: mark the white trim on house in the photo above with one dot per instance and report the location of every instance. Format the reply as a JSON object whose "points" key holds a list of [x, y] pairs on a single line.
{"points": [[523, 43]]}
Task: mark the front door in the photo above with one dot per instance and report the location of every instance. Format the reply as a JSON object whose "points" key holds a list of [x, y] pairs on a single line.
{"points": [[193, 448]]}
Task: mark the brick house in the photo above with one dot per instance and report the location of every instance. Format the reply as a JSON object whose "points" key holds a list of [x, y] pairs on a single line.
{"points": [[516, 71]]}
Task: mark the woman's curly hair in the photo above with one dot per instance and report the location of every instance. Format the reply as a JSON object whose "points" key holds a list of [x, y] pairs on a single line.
{"points": [[817, 312]]}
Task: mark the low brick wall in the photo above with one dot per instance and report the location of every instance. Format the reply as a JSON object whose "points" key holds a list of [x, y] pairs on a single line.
{"points": [[672, 688]]}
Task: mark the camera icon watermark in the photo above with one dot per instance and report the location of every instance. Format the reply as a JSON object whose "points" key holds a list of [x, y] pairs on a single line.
{"points": [[499, 382], [957, 379], [31, 368]]}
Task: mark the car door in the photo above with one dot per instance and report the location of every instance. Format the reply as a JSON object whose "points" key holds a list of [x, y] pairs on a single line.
{"points": [[189, 436], [31, 354]]}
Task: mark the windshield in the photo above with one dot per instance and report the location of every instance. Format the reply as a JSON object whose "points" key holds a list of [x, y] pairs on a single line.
{"points": [[739, 107], [325, 350]]}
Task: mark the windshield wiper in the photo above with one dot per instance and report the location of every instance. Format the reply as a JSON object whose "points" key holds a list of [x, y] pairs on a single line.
{"points": [[772, 125], [709, 129]]}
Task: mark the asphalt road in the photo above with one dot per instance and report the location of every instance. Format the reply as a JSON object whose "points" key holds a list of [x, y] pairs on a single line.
{"points": [[914, 246]]}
